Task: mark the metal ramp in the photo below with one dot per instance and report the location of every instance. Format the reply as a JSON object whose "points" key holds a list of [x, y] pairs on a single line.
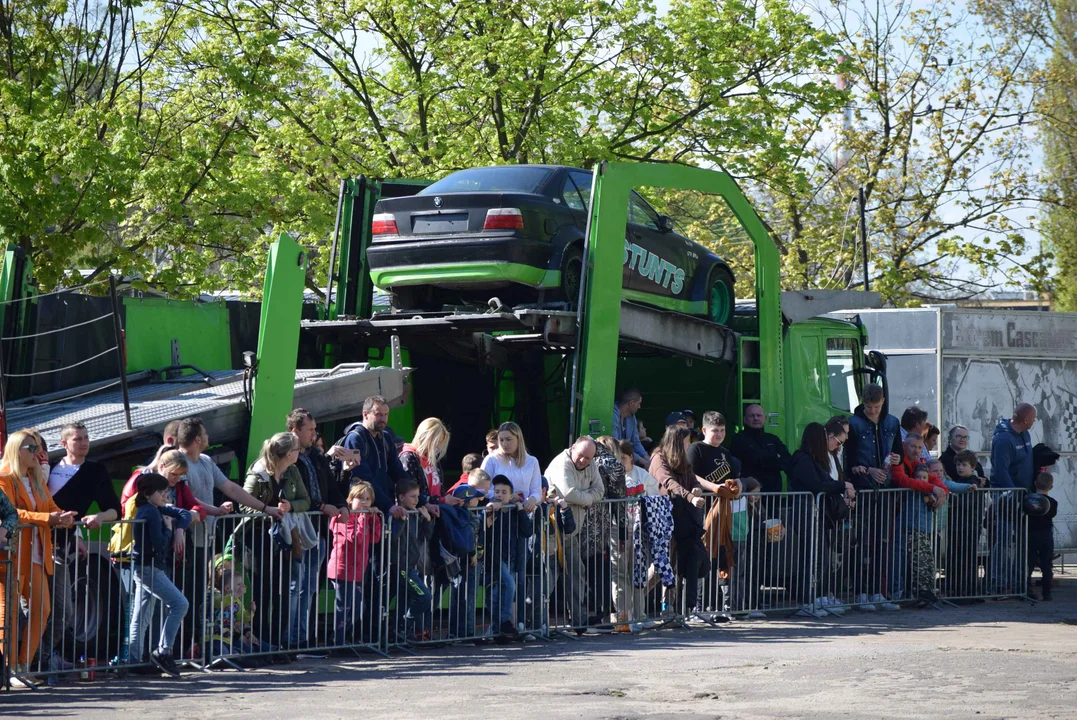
{"points": [[217, 397], [536, 328]]}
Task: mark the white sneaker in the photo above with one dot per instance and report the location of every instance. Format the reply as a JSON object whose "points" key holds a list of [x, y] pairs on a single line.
{"points": [[601, 630], [649, 624], [635, 627], [863, 603], [757, 615], [889, 607]]}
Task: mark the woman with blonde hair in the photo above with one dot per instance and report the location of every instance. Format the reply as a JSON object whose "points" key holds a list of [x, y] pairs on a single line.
{"points": [[23, 481], [511, 460], [421, 459], [284, 601]]}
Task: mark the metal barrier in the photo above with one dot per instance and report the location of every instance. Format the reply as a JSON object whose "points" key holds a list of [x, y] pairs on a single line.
{"points": [[759, 554], [893, 547], [265, 598], [368, 583], [986, 539], [7, 611], [480, 576], [596, 576]]}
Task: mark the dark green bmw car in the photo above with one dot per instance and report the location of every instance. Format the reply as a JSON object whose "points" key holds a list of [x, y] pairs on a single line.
{"points": [[517, 232]]}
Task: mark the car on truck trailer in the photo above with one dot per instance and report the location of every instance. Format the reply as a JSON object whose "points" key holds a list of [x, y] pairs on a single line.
{"points": [[519, 230]]}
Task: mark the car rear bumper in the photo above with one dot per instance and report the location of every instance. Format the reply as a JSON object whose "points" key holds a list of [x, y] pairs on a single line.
{"points": [[463, 262]]}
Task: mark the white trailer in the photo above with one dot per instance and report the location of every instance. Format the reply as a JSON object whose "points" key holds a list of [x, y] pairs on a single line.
{"points": [[972, 367]]}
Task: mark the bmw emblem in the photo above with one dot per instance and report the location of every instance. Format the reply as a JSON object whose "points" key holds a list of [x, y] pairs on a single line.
{"points": [[437, 202]]}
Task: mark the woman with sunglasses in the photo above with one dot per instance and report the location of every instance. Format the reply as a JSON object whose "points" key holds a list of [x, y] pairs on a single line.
{"points": [[23, 481]]}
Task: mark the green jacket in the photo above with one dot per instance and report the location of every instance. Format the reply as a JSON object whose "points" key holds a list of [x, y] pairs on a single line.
{"points": [[266, 488]]}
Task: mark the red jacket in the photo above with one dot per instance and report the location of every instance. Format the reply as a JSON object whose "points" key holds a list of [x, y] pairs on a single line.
{"points": [[903, 476], [353, 544], [185, 499]]}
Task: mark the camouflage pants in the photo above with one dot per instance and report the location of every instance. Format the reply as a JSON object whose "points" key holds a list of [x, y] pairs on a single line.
{"points": [[922, 562]]}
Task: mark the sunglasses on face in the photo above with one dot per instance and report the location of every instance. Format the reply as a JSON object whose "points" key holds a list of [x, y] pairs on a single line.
{"points": [[31, 448]]}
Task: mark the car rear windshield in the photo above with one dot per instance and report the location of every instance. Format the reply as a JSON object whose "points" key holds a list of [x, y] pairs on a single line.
{"points": [[491, 179]]}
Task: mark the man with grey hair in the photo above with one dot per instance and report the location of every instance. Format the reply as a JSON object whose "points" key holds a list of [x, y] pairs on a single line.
{"points": [[626, 426], [574, 479]]}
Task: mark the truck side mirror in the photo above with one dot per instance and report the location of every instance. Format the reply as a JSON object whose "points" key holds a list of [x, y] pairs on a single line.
{"points": [[665, 223]]}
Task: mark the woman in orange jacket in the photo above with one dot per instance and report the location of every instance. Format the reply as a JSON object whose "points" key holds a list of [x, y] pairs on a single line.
{"points": [[23, 481]]}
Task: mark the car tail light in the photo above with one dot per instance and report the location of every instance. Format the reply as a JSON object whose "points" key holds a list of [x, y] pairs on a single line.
{"points": [[384, 224], [503, 219]]}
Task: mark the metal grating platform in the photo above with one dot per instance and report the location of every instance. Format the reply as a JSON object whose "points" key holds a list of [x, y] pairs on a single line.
{"points": [[329, 394]]}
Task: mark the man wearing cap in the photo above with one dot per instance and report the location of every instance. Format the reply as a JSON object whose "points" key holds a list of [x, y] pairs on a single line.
{"points": [[676, 418], [690, 423]]}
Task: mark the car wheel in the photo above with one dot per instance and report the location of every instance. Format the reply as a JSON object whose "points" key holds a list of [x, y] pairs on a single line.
{"points": [[409, 298], [720, 297], [572, 273]]}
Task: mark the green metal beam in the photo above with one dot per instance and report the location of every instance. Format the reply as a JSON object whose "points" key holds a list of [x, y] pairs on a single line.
{"points": [[595, 379], [278, 342]]}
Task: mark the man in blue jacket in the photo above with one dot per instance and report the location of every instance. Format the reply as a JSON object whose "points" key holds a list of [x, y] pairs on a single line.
{"points": [[1011, 467], [1011, 450], [871, 437], [626, 426], [379, 464]]}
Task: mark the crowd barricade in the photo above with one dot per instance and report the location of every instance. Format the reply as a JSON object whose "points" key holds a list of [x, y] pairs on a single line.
{"points": [[985, 538], [371, 583], [269, 590], [475, 574], [879, 550], [891, 547], [8, 604], [596, 578], [759, 554]]}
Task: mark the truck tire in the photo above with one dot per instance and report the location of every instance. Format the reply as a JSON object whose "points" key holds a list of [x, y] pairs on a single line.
{"points": [[721, 299], [409, 298], [571, 274]]}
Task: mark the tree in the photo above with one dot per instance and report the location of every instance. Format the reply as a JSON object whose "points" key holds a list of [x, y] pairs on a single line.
{"points": [[453, 84], [936, 133]]}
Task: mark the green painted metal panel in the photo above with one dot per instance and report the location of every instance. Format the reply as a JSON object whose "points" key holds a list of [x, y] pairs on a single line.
{"points": [[470, 272], [278, 342], [594, 382], [202, 330]]}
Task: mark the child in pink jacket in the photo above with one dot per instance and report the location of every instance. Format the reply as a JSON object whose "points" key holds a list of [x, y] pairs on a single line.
{"points": [[353, 545]]}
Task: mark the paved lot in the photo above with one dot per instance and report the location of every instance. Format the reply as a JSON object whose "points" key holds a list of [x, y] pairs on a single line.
{"points": [[995, 660]]}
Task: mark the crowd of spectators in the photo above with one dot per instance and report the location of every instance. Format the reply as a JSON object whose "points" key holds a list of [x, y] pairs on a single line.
{"points": [[613, 532]]}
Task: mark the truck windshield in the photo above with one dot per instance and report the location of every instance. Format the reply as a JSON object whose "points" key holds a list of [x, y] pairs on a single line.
{"points": [[491, 179]]}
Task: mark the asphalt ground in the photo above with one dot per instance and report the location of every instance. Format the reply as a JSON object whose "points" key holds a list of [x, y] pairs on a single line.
{"points": [[999, 659]]}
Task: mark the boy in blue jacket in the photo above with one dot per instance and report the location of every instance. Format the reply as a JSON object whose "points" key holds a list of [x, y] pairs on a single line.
{"points": [[507, 525], [155, 521]]}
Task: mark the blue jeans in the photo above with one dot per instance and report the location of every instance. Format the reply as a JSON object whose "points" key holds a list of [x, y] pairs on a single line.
{"points": [[302, 589], [504, 592], [462, 602], [131, 650], [1002, 576], [152, 582], [347, 609]]}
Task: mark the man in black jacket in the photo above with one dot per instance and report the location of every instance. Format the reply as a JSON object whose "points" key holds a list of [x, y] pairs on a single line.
{"points": [[325, 495], [762, 455], [75, 484]]}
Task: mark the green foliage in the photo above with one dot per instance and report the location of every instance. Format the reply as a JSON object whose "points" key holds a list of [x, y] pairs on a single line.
{"points": [[237, 118]]}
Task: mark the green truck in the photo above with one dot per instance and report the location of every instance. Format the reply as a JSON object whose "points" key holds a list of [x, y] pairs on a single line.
{"points": [[557, 367]]}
